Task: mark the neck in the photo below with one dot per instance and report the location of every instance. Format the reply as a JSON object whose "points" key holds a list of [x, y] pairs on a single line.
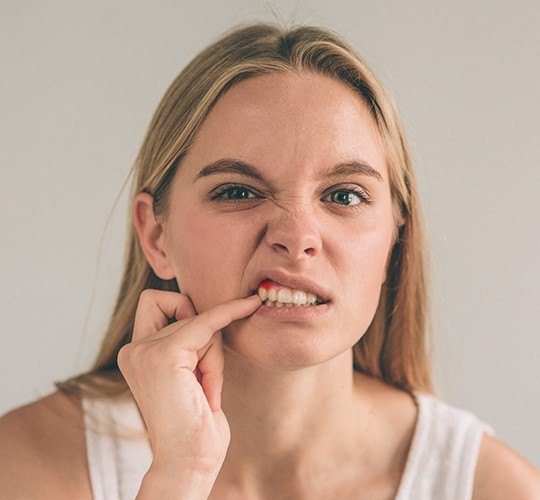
{"points": [[288, 423]]}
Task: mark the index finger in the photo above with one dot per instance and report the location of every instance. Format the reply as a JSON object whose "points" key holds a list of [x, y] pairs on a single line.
{"points": [[202, 327]]}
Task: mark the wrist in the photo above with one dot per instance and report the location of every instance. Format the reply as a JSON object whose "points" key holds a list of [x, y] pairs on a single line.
{"points": [[163, 483]]}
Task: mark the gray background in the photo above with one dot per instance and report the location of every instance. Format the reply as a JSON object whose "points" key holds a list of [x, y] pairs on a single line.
{"points": [[80, 80]]}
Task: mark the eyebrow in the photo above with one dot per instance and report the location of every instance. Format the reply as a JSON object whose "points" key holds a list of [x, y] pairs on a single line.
{"points": [[240, 167]]}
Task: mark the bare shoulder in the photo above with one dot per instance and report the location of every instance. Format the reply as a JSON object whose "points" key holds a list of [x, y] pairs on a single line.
{"points": [[43, 452], [503, 473]]}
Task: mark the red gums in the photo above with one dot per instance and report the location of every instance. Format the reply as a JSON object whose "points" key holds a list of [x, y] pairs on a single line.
{"points": [[267, 284]]}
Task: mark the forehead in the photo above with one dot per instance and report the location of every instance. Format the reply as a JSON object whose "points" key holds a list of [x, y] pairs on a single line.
{"points": [[291, 122]]}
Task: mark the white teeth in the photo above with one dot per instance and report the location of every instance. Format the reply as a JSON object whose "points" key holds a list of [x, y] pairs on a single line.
{"points": [[286, 297], [299, 297]]}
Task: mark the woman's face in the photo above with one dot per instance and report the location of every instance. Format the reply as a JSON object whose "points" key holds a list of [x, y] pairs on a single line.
{"points": [[299, 219]]}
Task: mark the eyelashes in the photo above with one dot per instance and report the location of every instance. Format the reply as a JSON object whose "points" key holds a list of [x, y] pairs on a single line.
{"points": [[229, 188]]}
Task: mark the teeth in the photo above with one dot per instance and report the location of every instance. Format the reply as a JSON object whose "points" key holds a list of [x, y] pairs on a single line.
{"points": [[272, 294], [270, 303], [299, 297], [285, 297]]}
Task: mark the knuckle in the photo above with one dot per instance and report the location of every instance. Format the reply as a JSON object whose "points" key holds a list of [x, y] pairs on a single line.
{"points": [[147, 293], [124, 355], [208, 319], [123, 352]]}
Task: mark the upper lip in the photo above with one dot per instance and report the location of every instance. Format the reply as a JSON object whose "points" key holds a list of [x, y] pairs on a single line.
{"points": [[294, 282]]}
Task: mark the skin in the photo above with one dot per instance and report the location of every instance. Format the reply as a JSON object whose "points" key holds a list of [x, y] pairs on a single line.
{"points": [[307, 408]]}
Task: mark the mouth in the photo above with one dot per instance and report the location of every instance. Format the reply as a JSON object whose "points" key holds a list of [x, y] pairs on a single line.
{"points": [[275, 294]]}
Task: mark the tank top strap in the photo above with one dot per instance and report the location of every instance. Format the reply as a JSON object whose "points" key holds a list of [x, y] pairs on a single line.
{"points": [[118, 451], [444, 452]]}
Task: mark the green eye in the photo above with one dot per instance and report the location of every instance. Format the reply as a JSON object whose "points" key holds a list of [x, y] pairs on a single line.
{"points": [[347, 198]]}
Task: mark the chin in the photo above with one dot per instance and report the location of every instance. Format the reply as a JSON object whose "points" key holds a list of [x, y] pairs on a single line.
{"points": [[282, 347]]}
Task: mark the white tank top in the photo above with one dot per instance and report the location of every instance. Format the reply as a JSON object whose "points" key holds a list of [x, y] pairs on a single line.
{"points": [[440, 464]]}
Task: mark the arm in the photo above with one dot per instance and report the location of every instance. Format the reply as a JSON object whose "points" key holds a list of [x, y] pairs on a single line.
{"points": [[502, 473], [40, 456]]}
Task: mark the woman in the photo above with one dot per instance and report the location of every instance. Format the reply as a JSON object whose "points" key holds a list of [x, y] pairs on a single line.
{"points": [[274, 170]]}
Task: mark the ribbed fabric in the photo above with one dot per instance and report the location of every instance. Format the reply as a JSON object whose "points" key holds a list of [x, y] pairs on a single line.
{"points": [[440, 465], [444, 452], [116, 466]]}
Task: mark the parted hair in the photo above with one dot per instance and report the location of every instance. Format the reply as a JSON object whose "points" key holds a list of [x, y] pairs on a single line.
{"points": [[396, 347]]}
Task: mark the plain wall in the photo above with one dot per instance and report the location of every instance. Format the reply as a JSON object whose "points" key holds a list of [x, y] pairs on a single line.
{"points": [[79, 84]]}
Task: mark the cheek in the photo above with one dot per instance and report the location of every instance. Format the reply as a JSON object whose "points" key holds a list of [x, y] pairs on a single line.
{"points": [[365, 271], [201, 235], [211, 254], [362, 290], [214, 235]]}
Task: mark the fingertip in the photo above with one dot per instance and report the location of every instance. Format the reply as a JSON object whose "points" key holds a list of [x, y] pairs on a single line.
{"points": [[251, 298]]}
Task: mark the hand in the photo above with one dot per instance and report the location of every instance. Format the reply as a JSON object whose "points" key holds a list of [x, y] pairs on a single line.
{"points": [[175, 373]]}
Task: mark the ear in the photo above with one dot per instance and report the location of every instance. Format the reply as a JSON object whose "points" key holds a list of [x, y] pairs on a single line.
{"points": [[151, 236]]}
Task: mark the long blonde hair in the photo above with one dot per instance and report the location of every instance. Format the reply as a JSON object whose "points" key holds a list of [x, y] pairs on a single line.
{"points": [[395, 346]]}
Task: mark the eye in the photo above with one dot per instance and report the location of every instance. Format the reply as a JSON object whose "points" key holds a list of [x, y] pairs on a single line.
{"points": [[233, 189], [364, 198], [239, 192]]}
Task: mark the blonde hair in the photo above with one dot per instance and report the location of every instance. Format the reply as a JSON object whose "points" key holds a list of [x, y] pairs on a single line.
{"points": [[395, 346]]}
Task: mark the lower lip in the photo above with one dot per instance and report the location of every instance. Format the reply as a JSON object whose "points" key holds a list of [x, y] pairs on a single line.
{"points": [[289, 313]]}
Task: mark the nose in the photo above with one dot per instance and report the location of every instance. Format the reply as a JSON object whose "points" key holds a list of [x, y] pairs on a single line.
{"points": [[295, 235]]}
